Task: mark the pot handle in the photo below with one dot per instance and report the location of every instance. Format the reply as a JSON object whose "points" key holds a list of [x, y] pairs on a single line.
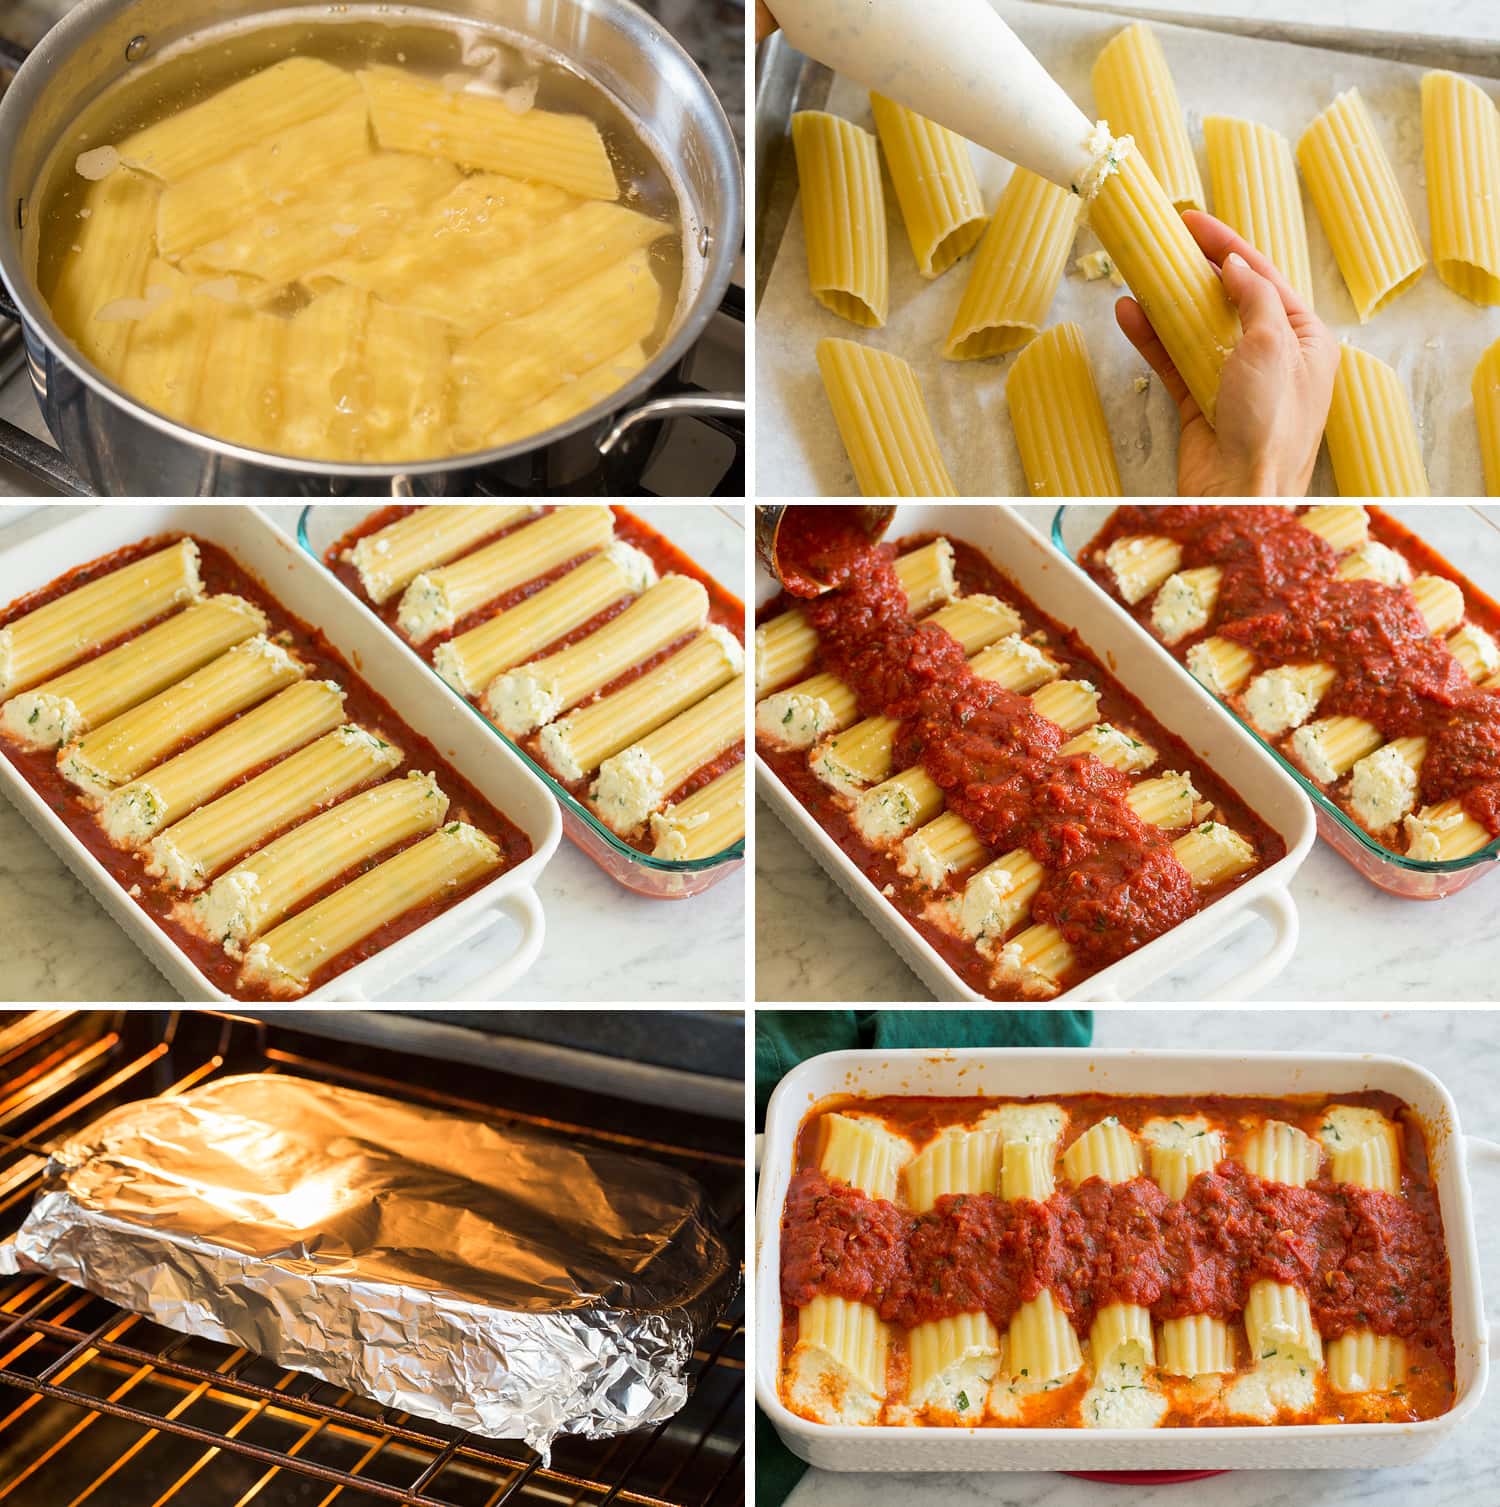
{"points": [[707, 405], [523, 907]]}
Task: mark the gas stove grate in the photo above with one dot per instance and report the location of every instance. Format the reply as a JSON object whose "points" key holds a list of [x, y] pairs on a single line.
{"points": [[103, 1407]]}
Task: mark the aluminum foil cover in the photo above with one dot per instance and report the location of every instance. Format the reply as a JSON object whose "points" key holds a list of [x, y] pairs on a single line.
{"points": [[511, 1283]]}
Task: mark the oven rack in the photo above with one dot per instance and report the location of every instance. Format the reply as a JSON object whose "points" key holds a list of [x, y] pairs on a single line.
{"points": [[104, 1407]]}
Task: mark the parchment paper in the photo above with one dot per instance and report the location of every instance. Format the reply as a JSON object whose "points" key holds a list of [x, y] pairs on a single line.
{"points": [[1429, 334]]}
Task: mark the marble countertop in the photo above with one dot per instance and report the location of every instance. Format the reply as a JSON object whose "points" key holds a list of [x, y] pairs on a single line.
{"points": [[1462, 1049], [1357, 943], [61, 945]]}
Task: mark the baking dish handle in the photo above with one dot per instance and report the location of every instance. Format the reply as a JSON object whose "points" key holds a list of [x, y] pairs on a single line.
{"points": [[1479, 1151], [523, 907], [1277, 907]]}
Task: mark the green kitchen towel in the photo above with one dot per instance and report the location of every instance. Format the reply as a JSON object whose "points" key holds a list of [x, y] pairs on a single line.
{"points": [[783, 1038]]}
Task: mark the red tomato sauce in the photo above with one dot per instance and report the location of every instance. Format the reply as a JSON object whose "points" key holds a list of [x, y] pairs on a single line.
{"points": [[1364, 1258], [724, 609], [818, 545], [1282, 598], [362, 704], [1113, 882]]}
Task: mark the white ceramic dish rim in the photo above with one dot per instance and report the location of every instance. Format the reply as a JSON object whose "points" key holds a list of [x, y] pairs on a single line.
{"points": [[1265, 895], [1079, 1071], [502, 778]]}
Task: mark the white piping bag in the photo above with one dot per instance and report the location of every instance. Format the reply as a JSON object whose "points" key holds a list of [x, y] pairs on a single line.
{"points": [[958, 63]]}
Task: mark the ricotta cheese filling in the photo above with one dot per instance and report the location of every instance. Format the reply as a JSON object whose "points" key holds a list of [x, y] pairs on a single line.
{"points": [[792, 719], [41, 719]]}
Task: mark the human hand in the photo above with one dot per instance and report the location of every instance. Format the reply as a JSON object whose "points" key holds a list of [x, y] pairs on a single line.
{"points": [[1276, 387], [765, 22]]}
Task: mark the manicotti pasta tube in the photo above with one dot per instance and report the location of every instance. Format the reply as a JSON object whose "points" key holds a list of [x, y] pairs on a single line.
{"points": [[998, 898], [1285, 1346], [707, 822], [435, 600], [638, 780], [1372, 432], [529, 697], [290, 719], [1134, 91], [211, 201], [574, 395], [802, 713], [863, 755], [953, 1361], [1441, 833], [286, 958], [1036, 960], [137, 740], [62, 708], [574, 746], [935, 185], [1040, 1346], [1355, 193], [391, 558], [261, 890], [1171, 278], [518, 361], [843, 217], [1254, 178], [472, 660], [104, 271], [787, 645], [1485, 389], [1015, 274], [1179, 1150], [1121, 1343], [907, 800], [285, 94], [1059, 422], [291, 235], [1461, 149], [192, 851], [482, 132], [48, 638], [883, 421], [837, 1369]]}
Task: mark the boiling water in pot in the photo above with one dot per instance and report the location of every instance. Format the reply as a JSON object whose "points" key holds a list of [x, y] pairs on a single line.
{"points": [[374, 240]]}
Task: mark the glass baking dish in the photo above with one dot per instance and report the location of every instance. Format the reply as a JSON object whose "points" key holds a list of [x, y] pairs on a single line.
{"points": [[712, 535], [1468, 533]]}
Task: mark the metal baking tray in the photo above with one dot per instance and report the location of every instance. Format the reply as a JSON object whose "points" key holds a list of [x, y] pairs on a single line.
{"points": [[787, 81], [323, 524], [507, 905], [1149, 673], [999, 1072]]}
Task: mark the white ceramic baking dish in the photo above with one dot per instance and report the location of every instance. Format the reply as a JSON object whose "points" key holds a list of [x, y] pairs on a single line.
{"points": [[1001, 1072], [1149, 673], [478, 924]]}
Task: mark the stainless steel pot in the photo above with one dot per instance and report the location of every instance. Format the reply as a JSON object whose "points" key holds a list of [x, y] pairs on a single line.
{"points": [[123, 448]]}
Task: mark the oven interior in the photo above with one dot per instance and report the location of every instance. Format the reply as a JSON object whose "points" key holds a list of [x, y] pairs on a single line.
{"points": [[101, 1406]]}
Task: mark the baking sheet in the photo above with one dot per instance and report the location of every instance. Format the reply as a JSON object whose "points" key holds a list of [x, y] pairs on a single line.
{"points": [[1429, 334]]}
